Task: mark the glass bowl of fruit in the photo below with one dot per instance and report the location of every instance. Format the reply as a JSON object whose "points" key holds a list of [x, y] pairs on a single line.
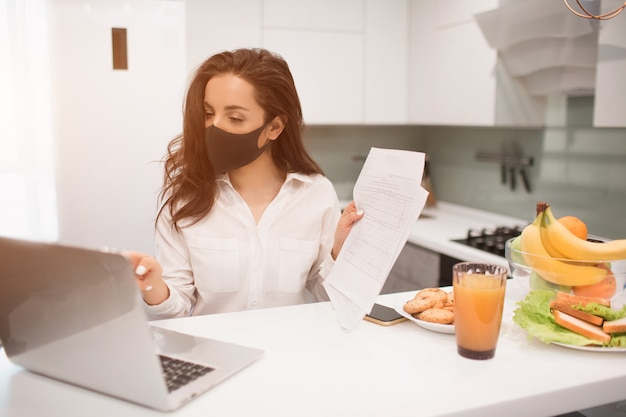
{"points": [[557, 255]]}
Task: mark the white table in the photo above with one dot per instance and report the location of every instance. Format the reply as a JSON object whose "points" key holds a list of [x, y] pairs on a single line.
{"points": [[313, 368]]}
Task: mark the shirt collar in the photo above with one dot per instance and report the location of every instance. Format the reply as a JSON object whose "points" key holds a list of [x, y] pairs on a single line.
{"points": [[297, 176], [291, 176]]}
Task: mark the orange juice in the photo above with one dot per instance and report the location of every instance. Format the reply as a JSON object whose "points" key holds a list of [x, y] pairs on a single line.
{"points": [[478, 304]]}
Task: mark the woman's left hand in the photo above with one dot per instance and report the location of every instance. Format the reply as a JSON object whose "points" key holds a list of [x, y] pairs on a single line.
{"points": [[349, 216]]}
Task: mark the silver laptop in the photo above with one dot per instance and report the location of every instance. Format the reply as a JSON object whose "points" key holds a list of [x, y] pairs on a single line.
{"points": [[76, 315]]}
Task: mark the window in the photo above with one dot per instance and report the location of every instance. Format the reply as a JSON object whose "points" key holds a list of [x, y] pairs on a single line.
{"points": [[27, 189]]}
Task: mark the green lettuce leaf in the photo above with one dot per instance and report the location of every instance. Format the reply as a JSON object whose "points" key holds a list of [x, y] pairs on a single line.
{"points": [[606, 313], [618, 340], [533, 315]]}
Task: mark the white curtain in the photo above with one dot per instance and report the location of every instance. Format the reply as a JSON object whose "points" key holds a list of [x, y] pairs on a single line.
{"points": [[27, 187]]}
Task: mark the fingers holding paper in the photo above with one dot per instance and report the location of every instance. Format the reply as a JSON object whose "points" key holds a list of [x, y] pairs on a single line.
{"points": [[349, 216]]}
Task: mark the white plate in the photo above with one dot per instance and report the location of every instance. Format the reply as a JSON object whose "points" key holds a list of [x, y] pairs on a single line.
{"points": [[435, 327], [593, 348]]}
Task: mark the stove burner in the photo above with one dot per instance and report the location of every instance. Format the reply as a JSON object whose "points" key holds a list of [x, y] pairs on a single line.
{"points": [[490, 240]]}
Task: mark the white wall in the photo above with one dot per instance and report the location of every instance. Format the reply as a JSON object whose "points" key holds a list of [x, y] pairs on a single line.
{"points": [[112, 126]]}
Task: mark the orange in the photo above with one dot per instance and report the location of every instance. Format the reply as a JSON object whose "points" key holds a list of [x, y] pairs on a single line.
{"points": [[604, 289], [575, 225]]}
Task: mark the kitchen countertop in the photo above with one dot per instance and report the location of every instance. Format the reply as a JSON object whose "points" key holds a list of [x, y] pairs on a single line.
{"points": [[439, 225], [313, 368]]}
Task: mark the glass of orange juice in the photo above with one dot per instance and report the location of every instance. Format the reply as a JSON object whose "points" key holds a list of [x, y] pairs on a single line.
{"points": [[478, 302]]}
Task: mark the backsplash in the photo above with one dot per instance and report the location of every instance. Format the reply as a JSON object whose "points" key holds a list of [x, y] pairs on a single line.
{"points": [[341, 150], [579, 170]]}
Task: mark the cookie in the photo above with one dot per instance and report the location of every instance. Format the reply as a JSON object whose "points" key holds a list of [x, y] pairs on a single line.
{"points": [[437, 315], [436, 293], [430, 298], [417, 305]]}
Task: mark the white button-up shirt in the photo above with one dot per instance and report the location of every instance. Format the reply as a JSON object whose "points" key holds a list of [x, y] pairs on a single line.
{"points": [[227, 262]]}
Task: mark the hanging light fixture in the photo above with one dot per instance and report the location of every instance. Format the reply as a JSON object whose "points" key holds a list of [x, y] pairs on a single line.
{"points": [[589, 15]]}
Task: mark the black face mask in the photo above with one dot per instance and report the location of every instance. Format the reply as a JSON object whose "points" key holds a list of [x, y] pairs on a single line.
{"points": [[228, 151]]}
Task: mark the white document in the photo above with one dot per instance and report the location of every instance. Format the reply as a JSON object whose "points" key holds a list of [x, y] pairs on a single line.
{"points": [[389, 192]]}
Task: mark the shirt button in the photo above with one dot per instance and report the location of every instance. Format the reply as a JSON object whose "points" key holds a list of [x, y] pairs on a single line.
{"points": [[254, 303]]}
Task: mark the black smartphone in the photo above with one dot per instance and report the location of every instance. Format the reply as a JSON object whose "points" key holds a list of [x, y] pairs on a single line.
{"points": [[383, 315]]}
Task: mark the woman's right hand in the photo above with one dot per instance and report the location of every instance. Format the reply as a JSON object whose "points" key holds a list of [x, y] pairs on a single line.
{"points": [[349, 216], [148, 275]]}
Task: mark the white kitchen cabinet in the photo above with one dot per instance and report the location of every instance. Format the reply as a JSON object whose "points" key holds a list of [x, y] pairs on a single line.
{"points": [[213, 26], [328, 71], [610, 95], [323, 44], [318, 15], [349, 59], [386, 61], [455, 77], [322, 41], [374, 61]]}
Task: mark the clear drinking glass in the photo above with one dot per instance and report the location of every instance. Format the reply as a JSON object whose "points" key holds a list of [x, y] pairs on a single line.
{"points": [[479, 290]]}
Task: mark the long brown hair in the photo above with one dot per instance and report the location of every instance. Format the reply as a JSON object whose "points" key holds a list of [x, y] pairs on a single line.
{"points": [[189, 183]]}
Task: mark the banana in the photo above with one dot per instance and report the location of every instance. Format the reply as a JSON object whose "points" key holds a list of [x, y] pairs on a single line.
{"points": [[552, 269], [554, 252], [557, 239]]}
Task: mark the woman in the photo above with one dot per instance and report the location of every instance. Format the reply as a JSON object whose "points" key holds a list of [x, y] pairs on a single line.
{"points": [[248, 220]]}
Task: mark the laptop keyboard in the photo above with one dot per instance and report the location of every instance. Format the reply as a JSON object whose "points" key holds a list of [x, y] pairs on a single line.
{"points": [[179, 372]]}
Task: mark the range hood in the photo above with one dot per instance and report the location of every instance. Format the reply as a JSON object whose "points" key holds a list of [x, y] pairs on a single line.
{"points": [[544, 45]]}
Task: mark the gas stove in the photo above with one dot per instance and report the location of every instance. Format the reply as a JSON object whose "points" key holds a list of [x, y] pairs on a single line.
{"points": [[490, 240]]}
